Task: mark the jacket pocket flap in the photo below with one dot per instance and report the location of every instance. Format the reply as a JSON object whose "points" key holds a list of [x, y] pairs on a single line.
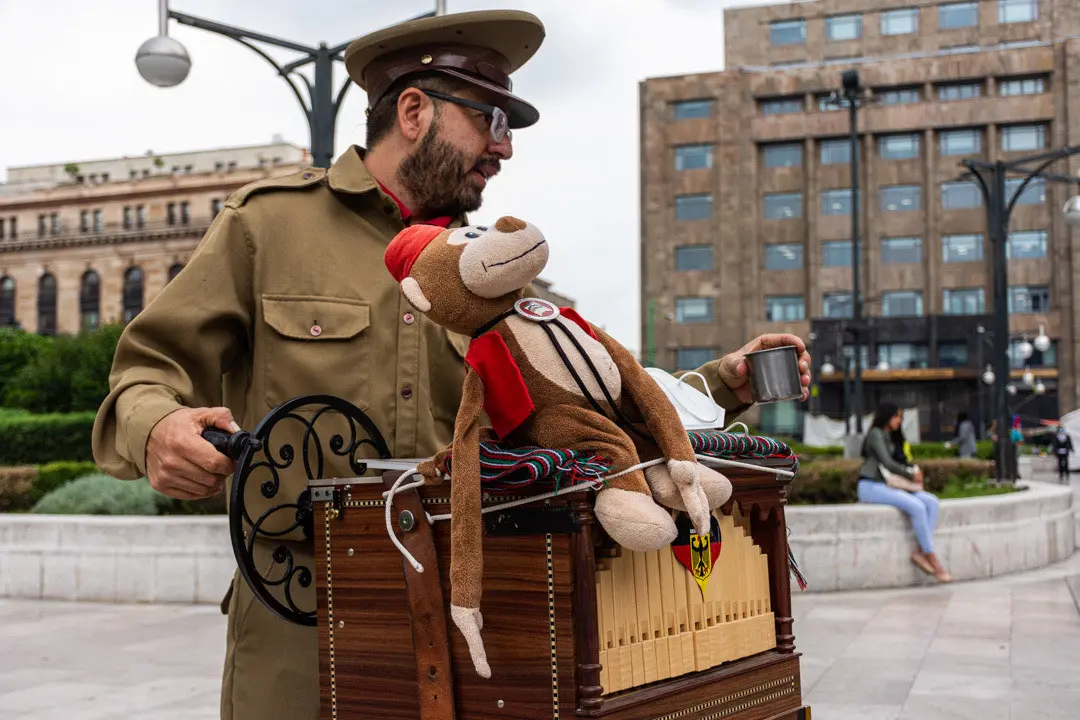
{"points": [[306, 317], [460, 343]]}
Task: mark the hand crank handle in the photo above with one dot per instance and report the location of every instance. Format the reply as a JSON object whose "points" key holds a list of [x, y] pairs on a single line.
{"points": [[231, 445]]}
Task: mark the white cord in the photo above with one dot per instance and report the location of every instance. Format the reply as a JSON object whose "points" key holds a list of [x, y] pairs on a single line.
{"points": [[734, 463], [389, 495], [746, 430]]}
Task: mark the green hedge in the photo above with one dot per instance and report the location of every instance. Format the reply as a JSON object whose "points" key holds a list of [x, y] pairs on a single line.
{"points": [[100, 494], [920, 451], [39, 439], [51, 476], [836, 480]]}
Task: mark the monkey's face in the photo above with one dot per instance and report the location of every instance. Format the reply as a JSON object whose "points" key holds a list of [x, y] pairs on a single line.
{"points": [[468, 276]]}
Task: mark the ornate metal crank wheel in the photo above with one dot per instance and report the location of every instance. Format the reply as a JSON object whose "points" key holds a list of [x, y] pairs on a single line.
{"points": [[258, 460]]}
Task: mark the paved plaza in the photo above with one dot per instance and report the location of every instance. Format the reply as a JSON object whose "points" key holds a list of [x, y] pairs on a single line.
{"points": [[987, 650]]}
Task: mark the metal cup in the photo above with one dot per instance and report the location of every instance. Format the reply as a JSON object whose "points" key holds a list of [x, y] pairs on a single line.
{"points": [[774, 374]]}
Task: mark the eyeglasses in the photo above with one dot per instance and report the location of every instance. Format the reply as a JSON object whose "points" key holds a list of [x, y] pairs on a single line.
{"points": [[500, 124]]}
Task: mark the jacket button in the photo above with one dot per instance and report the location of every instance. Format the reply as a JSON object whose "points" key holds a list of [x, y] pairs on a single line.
{"points": [[406, 392], [408, 318], [316, 330]]}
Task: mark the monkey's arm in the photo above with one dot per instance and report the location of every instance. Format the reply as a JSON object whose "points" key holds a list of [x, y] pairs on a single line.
{"points": [[659, 415], [466, 524]]}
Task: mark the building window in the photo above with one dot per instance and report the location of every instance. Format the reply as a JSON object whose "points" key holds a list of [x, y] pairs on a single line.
{"points": [[899, 96], [899, 147], [1027, 299], [843, 27], [904, 356], [1034, 193], [836, 253], [959, 91], [786, 256], [170, 212], [90, 301], [835, 152], [692, 109], [960, 195], [963, 301], [54, 221], [7, 301], [787, 32], [174, 270], [693, 207], [900, 22], [836, 202], [693, 157], [826, 103], [901, 303], [901, 198], [691, 358], [958, 15], [14, 223], [779, 308], [84, 221], [901, 250], [140, 215], [836, 305], [185, 215], [1026, 245], [215, 207], [960, 142], [127, 217], [781, 106], [42, 225], [1023, 137], [133, 294], [783, 206], [961, 248], [97, 221], [1014, 11], [1021, 86], [693, 309], [952, 354], [693, 257], [46, 303], [783, 155]]}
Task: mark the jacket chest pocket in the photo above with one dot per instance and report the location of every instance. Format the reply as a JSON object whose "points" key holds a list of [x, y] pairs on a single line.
{"points": [[316, 345]]}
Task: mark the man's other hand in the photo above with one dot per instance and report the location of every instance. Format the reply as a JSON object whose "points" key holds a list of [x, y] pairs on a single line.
{"points": [[736, 375], [180, 463]]}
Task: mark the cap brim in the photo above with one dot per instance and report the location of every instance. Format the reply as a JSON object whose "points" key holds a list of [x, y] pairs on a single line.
{"points": [[519, 113]]}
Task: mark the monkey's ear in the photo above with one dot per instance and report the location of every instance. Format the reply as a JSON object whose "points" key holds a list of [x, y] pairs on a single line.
{"points": [[415, 295]]}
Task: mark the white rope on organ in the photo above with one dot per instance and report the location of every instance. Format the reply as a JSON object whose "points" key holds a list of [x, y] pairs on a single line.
{"points": [[399, 487]]}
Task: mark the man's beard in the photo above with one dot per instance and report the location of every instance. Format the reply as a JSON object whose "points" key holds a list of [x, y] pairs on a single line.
{"points": [[436, 176]]}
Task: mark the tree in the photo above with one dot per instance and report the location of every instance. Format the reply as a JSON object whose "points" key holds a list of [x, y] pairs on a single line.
{"points": [[69, 374]]}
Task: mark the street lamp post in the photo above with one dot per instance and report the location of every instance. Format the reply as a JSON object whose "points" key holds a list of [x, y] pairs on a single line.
{"points": [[852, 93], [991, 180], [163, 61]]}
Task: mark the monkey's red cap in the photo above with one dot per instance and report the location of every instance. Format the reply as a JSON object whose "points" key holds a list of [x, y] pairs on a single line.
{"points": [[406, 246]]}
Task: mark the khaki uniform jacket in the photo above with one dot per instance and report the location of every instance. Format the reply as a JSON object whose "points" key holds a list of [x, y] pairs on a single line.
{"points": [[288, 295]]}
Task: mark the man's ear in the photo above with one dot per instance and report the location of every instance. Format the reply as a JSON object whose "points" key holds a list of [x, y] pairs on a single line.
{"points": [[410, 106], [415, 295]]}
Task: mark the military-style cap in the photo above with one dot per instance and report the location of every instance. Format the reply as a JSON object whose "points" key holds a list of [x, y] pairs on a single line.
{"points": [[482, 48]]}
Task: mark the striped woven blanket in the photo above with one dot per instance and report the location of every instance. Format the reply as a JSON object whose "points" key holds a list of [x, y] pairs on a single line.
{"points": [[506, 469]]}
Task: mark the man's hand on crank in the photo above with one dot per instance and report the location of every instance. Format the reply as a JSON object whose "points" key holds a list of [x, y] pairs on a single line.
{"points": [[180, 463], [736, 375]]}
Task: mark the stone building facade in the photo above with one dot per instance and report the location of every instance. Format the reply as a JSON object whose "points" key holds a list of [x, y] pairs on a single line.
{"points": [[746, 194], [89, 243]]}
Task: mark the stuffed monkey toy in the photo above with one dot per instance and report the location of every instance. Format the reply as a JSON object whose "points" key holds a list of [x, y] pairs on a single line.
{"points": [[545, 378]]}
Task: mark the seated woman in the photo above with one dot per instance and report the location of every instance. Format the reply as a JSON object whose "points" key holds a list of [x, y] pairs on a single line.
{"points": [[922, 507]]}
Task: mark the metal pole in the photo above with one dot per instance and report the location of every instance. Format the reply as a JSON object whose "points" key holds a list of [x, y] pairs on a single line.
{"points": [[980, 420], [440, 7], [997, 221], [163, 17], [856, 299], [323, 111]]}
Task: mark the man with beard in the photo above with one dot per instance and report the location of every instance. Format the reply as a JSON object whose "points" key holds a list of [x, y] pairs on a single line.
{"points": [[287, 295]]}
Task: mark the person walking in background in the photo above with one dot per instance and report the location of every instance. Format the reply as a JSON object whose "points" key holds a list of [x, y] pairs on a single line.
{"points": [[885, 480], [1061, 445], [965, 436]]}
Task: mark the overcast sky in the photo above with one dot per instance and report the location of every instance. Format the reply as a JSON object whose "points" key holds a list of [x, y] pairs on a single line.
{"points": [[71, 92]]}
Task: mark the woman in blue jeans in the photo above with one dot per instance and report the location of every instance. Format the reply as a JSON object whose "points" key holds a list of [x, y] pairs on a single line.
{"points": [[920, 506]]}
